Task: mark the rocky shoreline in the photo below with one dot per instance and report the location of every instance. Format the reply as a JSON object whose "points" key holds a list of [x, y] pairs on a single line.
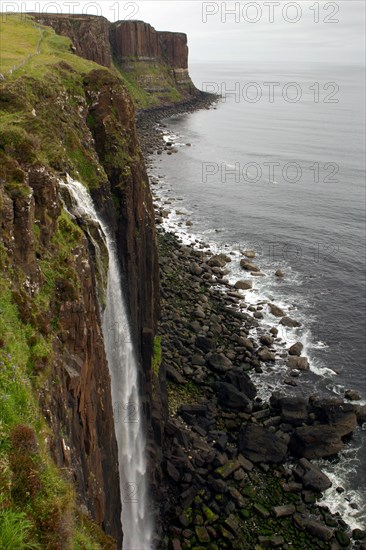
{"points": [[238, 469], [148, 121]]}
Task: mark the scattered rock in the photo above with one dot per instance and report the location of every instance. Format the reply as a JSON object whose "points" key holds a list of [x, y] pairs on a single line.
{"points": [[249, 253], [319, 530], [316, 441], [266, 355], [219, 362], [205, 344], [284, 511], [296, 349], [288, 322], [231, 398], [174, 375], [243, 284], [249, 266], [300, 363], [276, 311], [352, 395], [311, 476], [260, 445]]}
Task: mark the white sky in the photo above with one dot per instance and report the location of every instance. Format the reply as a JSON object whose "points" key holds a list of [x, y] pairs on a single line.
{"points": [[225, 37]]}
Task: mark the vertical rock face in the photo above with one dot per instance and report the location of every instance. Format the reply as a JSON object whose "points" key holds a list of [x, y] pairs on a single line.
{"points": [[174, 49], [76, 399], [89, 34], [97, 39], [113, 127], [134, 39]]}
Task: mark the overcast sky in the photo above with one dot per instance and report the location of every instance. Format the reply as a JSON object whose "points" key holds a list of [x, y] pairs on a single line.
{"points": [[262, 30]]}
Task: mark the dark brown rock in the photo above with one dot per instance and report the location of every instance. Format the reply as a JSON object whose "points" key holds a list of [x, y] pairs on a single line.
{"points": [[260, 445], [231, 398], [316, 441], [311, 476], [338, 414]]}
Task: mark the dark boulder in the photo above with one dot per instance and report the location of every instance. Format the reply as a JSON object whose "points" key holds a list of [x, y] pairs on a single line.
{"points": [[219, 362], [316, 441], [231, 398], [338, 414], [294, 410], [242, 382], [205, 344], [311, 476], [260, 445], [296, 349]]}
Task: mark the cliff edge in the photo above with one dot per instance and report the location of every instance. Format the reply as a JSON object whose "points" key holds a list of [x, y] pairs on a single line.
{"points": [[154, 64]]}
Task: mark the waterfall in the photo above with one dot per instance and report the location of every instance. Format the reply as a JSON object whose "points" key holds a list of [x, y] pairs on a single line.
{"points": [[123, 366]]}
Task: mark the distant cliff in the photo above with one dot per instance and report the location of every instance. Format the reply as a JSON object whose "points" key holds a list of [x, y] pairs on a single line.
{"points": [[154, 61]]}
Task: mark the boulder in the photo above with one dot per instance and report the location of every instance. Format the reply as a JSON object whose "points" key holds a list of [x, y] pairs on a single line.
{"points": [[231, 398], [276, 311], [219, 362], [319, 530], [205, 344], [195, 269], [260, 445], [300, 363], [296, 349], [249, 253], [174, 375], [336, 413], [219, 260], [249, 266], [227, 469], [242, 382], [279, 273], [243, 285], [352, 395], [311, 476], [316, 441], [361, 414], [245, 343], [294, 410], [284, 511], [288, 322], [266, 340], [266, 355]]}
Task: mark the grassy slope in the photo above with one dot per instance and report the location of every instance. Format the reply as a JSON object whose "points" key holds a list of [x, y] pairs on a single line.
{"points": [[37, 506], [157, 75]]}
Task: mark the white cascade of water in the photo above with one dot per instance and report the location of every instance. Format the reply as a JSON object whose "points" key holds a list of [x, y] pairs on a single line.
{"points": [[136, 519]]}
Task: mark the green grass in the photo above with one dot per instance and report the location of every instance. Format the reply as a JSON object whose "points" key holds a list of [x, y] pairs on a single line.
{"points": [[157, 355], [39, 105], [16, 531], [16, 400], [27, 48], [139, 76]]}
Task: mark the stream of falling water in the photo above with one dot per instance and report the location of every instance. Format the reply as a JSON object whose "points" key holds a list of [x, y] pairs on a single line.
{"points": [[136, 519]]}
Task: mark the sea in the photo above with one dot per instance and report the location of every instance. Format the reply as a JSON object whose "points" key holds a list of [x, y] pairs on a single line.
{"points": [[277, 165]]}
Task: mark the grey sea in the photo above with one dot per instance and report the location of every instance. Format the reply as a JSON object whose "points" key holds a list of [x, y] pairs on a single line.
{"points": [[279, 167]]}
